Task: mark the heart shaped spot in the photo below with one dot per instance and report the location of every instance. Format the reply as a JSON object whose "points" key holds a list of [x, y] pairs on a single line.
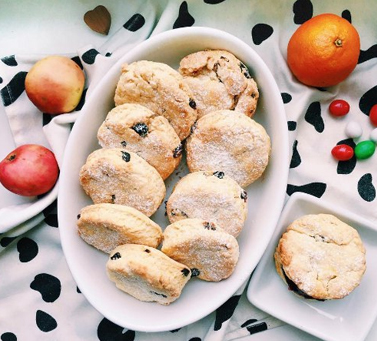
{"points": [[98, 19]]}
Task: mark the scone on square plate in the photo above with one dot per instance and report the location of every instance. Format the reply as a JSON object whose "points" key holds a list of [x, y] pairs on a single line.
{"points": [[321, 257], [326, 255]]}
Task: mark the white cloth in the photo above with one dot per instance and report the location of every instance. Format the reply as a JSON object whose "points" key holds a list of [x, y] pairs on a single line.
{"points": [[34, 259]]}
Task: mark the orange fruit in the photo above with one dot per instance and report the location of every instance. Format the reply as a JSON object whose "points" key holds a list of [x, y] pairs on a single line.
{"points": [[324, 50]]}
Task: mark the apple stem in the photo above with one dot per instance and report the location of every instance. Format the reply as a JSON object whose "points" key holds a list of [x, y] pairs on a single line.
{"points": [[12, 157]]}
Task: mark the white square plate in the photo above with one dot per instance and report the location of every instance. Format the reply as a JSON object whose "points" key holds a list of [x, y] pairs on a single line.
{"points": [[348, 319]]}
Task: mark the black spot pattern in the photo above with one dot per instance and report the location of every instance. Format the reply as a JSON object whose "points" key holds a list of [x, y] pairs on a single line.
{"points": [[365, 187], [313, 116], [109, 331], [368, 100], [27, 248], [8, 336], [50, 213], [286, 97], [296, 159], [53, 207], [82, 100], [213, 2], [48, 286], [195, 339], [257, 327], [260, 32], [346, 167], [5, 241], [1, 80], [303, 11], [292, 125], [346, 14], [185, 19], [45, 322], [46, 118], [368, 54], [89, 57], [9, 60], [52, 220], [77, 60], [175, 330], [316, 189], [247, 322], [13, 89], [136, 22], [225, 312]]}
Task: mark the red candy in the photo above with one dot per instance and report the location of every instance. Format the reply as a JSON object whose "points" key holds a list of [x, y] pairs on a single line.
{"points": [[342, 152], [339, 107], [373, 115]]}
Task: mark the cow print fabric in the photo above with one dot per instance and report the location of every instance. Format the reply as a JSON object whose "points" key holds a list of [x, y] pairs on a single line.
{"points": [[38, 296]]}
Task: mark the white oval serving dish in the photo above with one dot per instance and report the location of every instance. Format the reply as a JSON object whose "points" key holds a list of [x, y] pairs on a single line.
{"points": [[265, 196]]}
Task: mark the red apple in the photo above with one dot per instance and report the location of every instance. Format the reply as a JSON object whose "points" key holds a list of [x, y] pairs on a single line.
{"points": [[29, 170], [55, 84]]}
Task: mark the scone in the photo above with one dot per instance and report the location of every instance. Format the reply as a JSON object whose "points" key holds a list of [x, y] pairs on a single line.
{"points": [[139, 130], [210, 196], [210, 252], [146, 273], [218, 81], [161, 89], [230, 142], [320, 257], [116, 176], [106, 226]]}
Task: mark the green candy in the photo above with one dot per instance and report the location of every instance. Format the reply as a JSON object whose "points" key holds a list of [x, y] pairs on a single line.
{"points": [[365, 149]]}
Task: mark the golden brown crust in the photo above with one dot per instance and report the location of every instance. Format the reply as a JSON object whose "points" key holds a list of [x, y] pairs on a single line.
{"points": [[106, 226], [113, 175], [323, 256], [210, 252], [209, 196], [218, 81], [161, 89], [139, 130], [230, 142], [147, 274]]}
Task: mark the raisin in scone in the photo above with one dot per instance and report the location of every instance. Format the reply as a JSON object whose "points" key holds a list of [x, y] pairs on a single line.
{"points": [[320, 257], [116, 176], [210, 252], [146, 273], [161, 89], [230, 142], [106, 226], [218, 81], [210, 196], [139, 130]]}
